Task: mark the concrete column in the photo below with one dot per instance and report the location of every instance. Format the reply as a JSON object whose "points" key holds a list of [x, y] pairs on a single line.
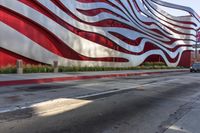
{"points": [[55, 66], [19, 65]]}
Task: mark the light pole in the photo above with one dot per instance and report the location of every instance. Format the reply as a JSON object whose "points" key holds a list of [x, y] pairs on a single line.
{"points": [[196, 45]]}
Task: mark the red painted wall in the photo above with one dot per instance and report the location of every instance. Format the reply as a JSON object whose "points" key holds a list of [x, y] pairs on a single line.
{"points": [[10, 58], [52, 43]]}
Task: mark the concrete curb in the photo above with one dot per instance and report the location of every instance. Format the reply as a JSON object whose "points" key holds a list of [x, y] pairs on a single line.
{"points": [[73, 78]]}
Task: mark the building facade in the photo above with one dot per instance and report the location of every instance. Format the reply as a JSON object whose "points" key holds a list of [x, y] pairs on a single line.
{"points": [[117, 33]]}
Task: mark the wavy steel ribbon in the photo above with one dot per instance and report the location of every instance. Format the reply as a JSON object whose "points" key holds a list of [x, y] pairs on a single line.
{"points": [[96, 32]]}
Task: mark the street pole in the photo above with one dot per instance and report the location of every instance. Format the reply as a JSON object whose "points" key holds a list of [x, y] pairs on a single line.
{"points": [[196, 51], [196, 46]]}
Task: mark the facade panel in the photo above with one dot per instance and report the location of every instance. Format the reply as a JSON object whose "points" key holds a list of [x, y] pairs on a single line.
{"points": [[118, 33]]}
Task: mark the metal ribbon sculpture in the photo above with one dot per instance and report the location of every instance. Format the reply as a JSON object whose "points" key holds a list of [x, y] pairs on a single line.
{"points": [[119, 33]]}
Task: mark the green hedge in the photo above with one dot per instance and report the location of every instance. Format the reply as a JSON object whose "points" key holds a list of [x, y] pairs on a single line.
{"points": [[37, 69], [8, 69], [46, 68], [154, 64]]}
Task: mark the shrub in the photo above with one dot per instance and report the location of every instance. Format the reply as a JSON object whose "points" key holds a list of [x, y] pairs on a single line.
{"points": [[8, 69], [28, 68], [37, 68]]}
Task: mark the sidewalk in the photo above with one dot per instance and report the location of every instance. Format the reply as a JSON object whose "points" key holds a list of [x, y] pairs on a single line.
{"points": [[37, 78]]}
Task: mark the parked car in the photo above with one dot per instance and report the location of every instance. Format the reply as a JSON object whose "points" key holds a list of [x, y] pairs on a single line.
{"points": [[195, 67]]}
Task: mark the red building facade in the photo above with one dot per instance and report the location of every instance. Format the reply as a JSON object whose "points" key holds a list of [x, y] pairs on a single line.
{"points": [[95, 33]]}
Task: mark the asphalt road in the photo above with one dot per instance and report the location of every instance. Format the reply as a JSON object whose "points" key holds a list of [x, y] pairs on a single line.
{"points": [[166, 103]]}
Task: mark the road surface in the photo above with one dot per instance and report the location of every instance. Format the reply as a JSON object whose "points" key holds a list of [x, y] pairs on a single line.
{"points": [[163, 103]]}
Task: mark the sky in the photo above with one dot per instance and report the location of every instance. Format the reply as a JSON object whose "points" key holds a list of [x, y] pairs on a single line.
{"points": [[194, 4]]}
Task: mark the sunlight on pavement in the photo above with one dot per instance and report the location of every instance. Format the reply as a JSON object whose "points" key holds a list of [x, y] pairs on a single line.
{"points": [[179, 129], [48, 108]]}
